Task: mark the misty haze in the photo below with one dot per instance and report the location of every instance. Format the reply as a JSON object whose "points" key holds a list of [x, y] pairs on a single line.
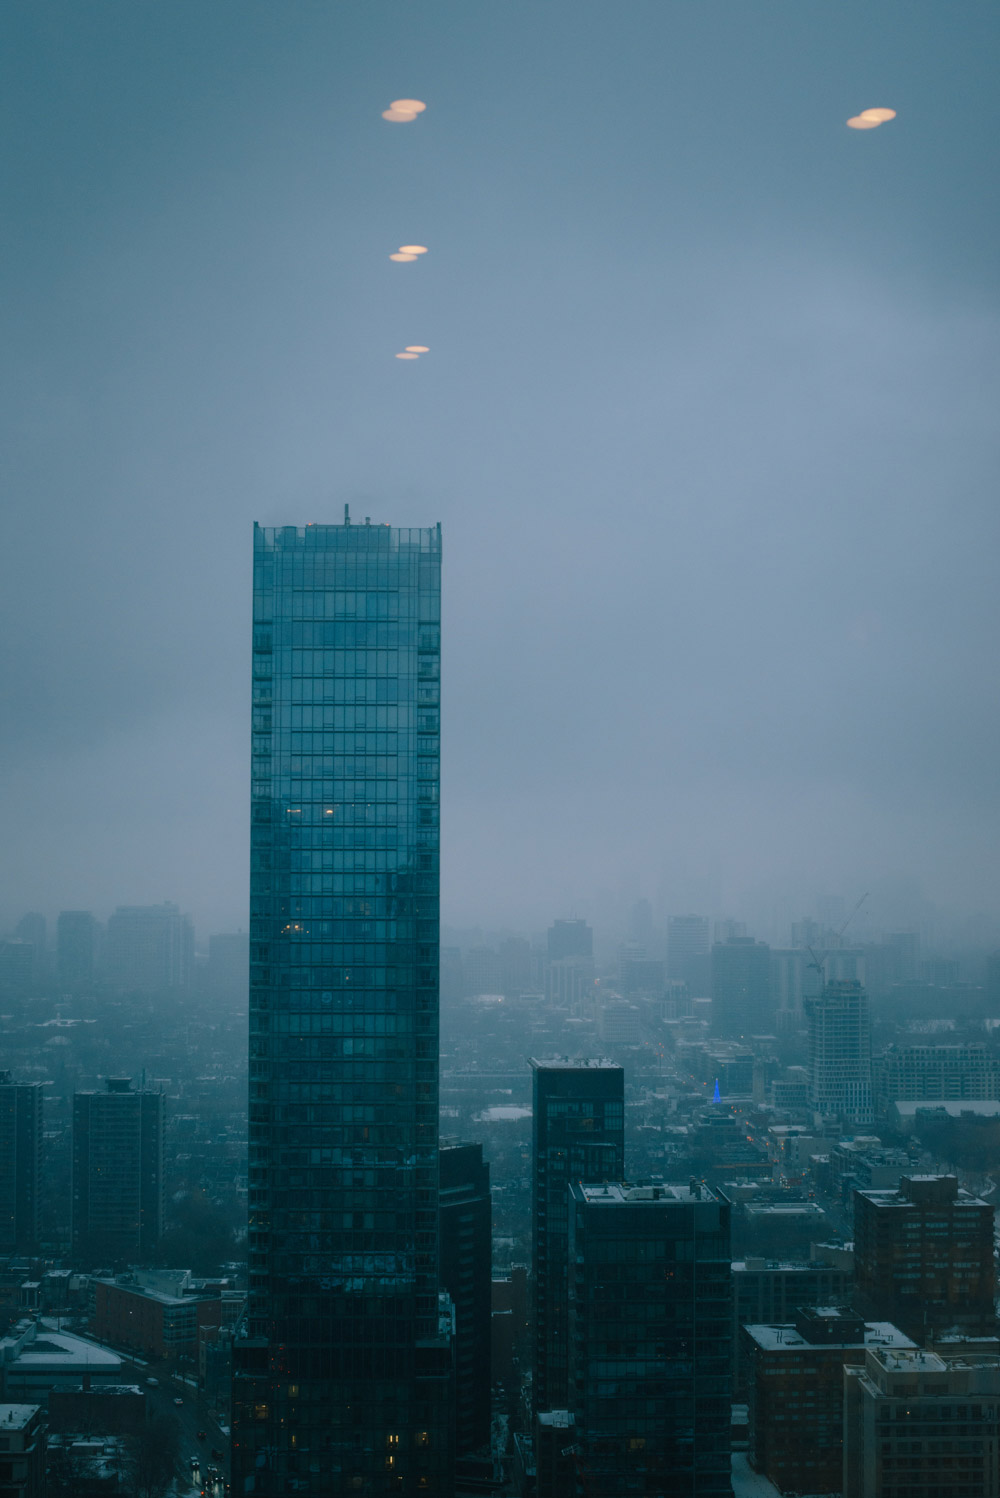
{"points": [[500, 905]]}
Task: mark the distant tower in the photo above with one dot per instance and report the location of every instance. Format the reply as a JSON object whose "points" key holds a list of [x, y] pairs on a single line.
{"points": [[570, 939], [149, 948], [578, 1134], [20, 1164], [687, 951], [76, 946], [840, 1052], [117, 1174], [32, 927], [741, 987]]}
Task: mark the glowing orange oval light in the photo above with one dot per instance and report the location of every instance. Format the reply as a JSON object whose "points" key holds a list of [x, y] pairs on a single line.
{"points": [[398, 116], [402, 257], [878, 116], [858, 122], [417, 348], [413, 249], [409, 106], [407, 356]]}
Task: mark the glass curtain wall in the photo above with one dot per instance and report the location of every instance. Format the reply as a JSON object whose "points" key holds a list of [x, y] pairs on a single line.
{"points": [[340, 1366]]}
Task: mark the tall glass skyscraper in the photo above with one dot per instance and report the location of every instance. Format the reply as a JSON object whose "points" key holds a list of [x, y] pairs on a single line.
{"points": [[342, 1366]]}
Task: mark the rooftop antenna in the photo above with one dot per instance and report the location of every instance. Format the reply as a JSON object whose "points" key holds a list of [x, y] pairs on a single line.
{"points": [[347, 515]]}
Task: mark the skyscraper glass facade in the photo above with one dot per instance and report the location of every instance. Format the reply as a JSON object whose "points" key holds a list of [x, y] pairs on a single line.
{"points": [[341, 1373]]}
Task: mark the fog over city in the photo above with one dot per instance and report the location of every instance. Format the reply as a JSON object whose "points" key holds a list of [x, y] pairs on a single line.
{"points": [[708, 418]]}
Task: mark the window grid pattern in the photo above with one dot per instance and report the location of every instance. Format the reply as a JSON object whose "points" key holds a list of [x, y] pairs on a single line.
{"points": [[344, 1004]]}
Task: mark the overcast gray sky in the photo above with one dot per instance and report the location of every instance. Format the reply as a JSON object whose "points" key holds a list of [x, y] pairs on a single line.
{"points": [[709, 419]]}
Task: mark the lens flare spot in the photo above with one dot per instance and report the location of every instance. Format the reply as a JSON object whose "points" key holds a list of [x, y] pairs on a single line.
{"points": [[402, 257], [413, 249], [878, 116], [407, 356], [417, 348], [398, 116], [858, 122], [409, 106]]}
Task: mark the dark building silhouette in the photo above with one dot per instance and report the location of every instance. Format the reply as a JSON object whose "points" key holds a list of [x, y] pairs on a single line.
{"points": [[76, 948], [467, 1276], [741, 987], [578, 1134], [650, 1340], [117, 1174], [923, 1257], [20, 1164], [570, 939], [342, 1368]]}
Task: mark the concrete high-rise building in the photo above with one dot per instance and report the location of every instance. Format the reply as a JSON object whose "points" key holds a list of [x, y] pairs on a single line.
{"points": [[742, 1003], [687, 951], [467, 1276], [923, 1256], [840, 1053], [650, 1340], [149, 948], [916, 1423], [578, 1134], [342, 1369], [76, 948], [117, 1174], [20, 1164]]}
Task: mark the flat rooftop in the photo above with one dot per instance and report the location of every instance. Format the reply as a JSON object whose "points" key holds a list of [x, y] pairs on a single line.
{"points": [[17, 1416], [617, 1193], [563, 1063], [878, 1334]]}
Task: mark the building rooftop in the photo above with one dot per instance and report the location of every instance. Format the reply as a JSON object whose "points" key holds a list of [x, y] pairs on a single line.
{"points": [[785, 1338], [613, 1193], [34, 1346], [954, 1107], [582, 1063], [923, 1190], [17, 1416]]}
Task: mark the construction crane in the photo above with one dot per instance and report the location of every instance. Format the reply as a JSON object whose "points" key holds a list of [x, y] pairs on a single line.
{"points": [[819, 965]]}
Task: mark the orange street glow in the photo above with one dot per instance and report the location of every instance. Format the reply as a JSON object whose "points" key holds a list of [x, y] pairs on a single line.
{"points": [[398, 116], [409, 106], [401, 256], [407, 356], [858, 122], [413, 249], [879, 116], [417, 348]]}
